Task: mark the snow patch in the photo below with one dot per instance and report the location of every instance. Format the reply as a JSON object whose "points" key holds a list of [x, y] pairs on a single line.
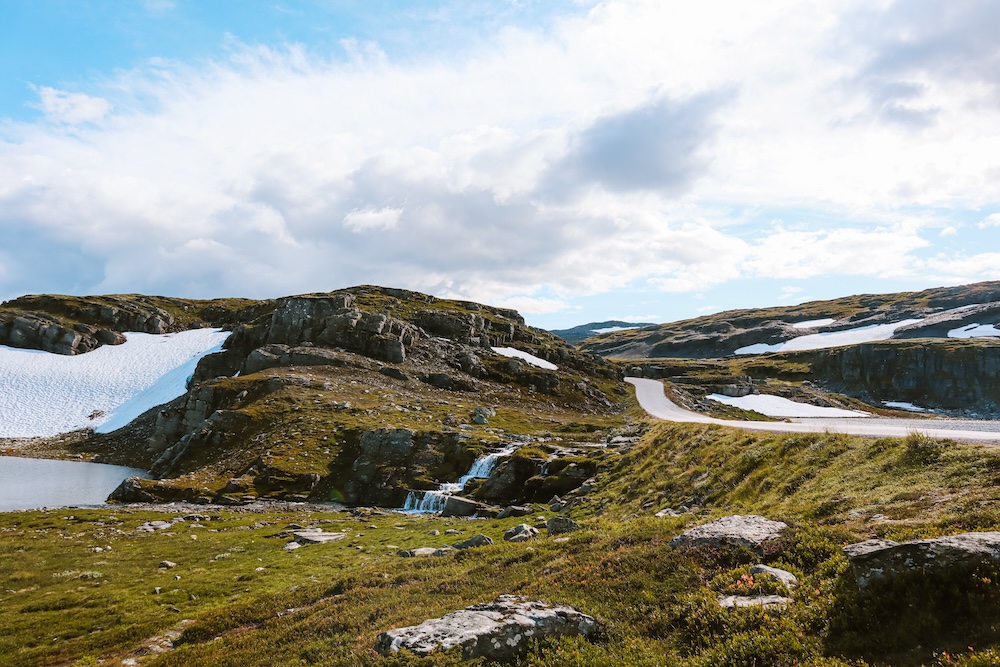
{"points": [[812, 324], [610, 329], [903, 405], [524, 356], [776, 406], [974, 331], [819, 341], [43, 394]]}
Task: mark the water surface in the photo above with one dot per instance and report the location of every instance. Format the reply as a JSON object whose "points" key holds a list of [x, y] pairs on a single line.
{"points": [[34, 483]]}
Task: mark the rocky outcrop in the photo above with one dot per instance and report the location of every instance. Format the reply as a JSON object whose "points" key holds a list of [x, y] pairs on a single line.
{"points": [[954, 375], [36, 331], [499, 630], [873, 560], [750, 531]]}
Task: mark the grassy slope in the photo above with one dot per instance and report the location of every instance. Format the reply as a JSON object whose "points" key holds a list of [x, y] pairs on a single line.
{"points": [[255, 604]]}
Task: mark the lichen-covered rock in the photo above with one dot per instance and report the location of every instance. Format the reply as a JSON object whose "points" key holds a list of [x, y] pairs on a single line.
{"points": [[473, 542], [522, 532], [784, 576], [498, 630], [750, 531], [884, 559], [741, 601], [561, 524]]}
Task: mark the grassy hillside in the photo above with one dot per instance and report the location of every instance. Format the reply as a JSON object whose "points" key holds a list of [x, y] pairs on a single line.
{"points": [[236, 598]]}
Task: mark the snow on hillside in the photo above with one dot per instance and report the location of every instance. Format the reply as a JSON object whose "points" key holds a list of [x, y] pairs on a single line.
{"points": [[610, 329], [776, 406], [819, 341], [812, 324], [524, 356], [974, 331], [44, 394]]}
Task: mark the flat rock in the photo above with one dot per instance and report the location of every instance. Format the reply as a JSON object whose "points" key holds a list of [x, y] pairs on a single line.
{"points": [[498, 630], [740, 601], [475, 541], [316, 536], [883, 559], [522, 532], [749, 531]]}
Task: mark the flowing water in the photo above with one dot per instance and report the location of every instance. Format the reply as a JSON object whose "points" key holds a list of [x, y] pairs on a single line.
{"points": [[35, 483], [420, 502]]}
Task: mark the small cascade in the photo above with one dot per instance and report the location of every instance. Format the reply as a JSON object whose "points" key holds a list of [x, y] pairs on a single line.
{"points": [[420, 502]]}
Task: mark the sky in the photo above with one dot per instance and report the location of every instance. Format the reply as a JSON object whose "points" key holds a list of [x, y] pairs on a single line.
{"points": [[645, 160]]}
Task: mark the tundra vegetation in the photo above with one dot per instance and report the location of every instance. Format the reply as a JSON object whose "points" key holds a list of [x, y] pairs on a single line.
{"points": [[202, 573]]}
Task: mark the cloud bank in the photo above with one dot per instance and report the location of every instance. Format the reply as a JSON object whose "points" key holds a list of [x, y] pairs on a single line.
{"points": [[666, 145]]}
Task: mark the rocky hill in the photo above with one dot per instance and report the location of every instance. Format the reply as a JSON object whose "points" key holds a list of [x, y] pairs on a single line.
{"points": [[582, 332], [364, 396], [938, 349], [939, 310]]}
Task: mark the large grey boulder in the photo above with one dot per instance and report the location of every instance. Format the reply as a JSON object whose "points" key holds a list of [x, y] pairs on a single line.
{"points": [[561, 524], [750, 531], [473, 542], [498, 630], [884, 559]]}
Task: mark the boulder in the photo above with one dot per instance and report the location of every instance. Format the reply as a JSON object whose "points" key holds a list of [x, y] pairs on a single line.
{"points": [[475, 541], [561, 524], [784, 576], [316, 536], [522, 532], [458, 506], [426, 551], [750, 531], [884, 559], [515, 510], [498, 630]]}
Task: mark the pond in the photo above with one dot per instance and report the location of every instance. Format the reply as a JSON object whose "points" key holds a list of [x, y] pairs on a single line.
{"points": [[35, 483]]}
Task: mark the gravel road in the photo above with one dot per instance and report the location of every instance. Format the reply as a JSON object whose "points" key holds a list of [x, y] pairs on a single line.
{"points": [[650, 395]]}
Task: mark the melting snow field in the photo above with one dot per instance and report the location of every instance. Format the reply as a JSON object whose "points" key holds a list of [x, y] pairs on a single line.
{"points": [[820, 341], [43, 394], [812, 324], [903, 405], [776, 406], [974, 331], [524, 356]]}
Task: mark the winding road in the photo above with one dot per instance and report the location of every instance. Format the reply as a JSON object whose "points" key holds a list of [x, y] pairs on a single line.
{"points": [[653, 400]]}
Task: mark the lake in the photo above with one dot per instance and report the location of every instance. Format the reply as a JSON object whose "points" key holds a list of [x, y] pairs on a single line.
{"points": [[35, 483]]}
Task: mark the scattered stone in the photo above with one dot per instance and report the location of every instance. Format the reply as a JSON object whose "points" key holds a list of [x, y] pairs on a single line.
{"points": [[784, 576], [498, 630], [750, 531], [475, 541], [522, 532], [427, 551], [167, 565], [885, 559], [561, 524], [393, 372], [316, 536], [666, 512], [766, 601], [514, 510], [452, 531], [291, 546], [434, 533], [878, 517]]}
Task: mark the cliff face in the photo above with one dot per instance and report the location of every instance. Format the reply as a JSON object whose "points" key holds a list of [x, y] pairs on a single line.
{"points": [[960, 376]]}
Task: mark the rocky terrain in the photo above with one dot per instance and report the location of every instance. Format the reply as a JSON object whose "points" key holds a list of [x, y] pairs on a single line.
{"points": [[916, 363], [592, 537]]}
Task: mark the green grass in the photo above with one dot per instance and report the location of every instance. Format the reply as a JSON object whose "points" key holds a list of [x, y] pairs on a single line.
{"points": [[251, 603]]}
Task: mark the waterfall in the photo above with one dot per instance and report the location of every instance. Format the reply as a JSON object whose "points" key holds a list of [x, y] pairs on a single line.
{"points": [[420, 502]]}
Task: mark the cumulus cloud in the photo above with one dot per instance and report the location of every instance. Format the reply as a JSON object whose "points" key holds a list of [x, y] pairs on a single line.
{"points": [[634, 144], [60, 106]]}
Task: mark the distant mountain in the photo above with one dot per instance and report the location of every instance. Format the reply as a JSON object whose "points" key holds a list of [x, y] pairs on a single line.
{"points": [[585, 331], [945, 312]]}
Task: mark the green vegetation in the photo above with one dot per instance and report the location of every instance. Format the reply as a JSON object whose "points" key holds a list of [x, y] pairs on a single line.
{"points": [[237, 598]]}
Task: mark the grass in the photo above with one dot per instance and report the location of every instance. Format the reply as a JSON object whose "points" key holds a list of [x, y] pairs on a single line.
{"points": [[251, 603]]}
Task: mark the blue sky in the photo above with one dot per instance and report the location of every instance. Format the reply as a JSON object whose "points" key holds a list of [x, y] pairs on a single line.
{"points": [[580, 161]]}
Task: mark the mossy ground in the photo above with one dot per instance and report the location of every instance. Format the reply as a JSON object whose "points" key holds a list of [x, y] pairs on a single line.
{"points": [[251, 603]]}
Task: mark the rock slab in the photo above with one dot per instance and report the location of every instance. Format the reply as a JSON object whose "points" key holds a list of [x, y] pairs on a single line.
{"points": [[750, 531], [884, 559], [498, 630]]}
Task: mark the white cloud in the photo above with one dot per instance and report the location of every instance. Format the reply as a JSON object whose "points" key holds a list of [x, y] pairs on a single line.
{"points": [[992, 220], [60, 106], [634, 144], [369, 219]]}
